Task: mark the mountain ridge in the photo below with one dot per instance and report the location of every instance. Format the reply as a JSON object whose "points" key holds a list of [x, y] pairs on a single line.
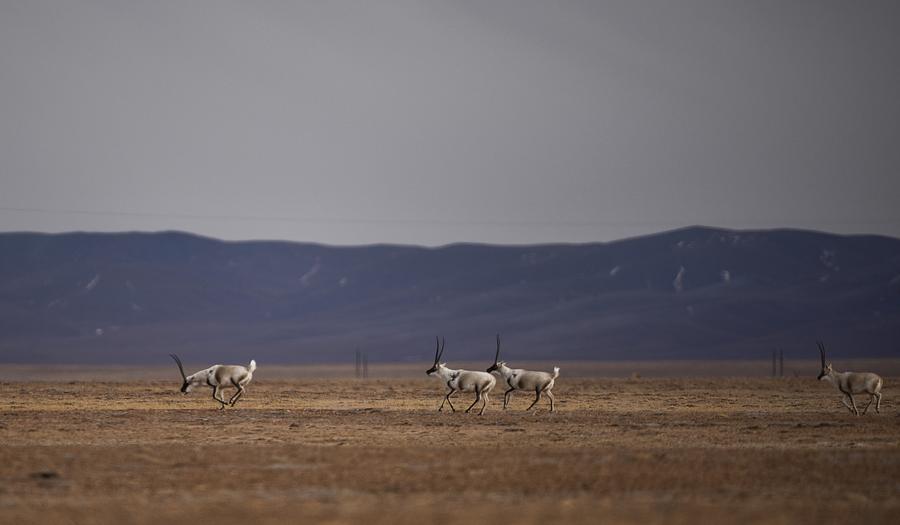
{"points": [[695, 292]]}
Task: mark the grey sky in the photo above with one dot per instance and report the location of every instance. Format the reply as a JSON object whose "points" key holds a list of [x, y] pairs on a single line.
{"points": [[434, 122]]}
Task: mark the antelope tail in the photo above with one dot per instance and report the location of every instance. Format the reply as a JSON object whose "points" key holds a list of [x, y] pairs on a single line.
{"points": [[252, 366], [555, 372]]}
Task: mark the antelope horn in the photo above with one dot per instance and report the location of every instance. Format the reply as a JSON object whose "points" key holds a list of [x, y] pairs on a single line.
{"points": [[821, 352], [497, 355], [180, 367], [437, 349], [442, 349]]}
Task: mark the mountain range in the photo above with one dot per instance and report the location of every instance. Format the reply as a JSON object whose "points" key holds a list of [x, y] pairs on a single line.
{"points": [[697, 292]]}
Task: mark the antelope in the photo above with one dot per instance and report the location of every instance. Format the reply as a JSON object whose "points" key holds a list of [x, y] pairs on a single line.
{"points": [[218, 377], [461, 381], [850, 383], [518, 379]]}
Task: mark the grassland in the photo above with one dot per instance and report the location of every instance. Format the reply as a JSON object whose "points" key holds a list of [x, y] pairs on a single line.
{"points": [[96, 449]]}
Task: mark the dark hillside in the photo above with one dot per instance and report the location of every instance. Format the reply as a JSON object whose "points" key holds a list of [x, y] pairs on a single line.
{"points": [[692, 293]]}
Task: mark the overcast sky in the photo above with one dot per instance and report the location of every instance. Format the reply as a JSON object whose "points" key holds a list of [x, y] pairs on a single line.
{"points": [[435, 122]]}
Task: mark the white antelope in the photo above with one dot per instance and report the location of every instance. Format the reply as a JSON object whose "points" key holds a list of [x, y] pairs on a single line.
{"points": [[461, 381], [517, 379], [218, 377], [850, 383]]}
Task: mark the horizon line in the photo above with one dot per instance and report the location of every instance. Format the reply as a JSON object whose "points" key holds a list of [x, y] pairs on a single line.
{"points": [[742, 230]]}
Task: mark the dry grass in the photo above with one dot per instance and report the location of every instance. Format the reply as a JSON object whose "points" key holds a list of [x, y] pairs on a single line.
{"points": [[571, 369], [756, 450]]}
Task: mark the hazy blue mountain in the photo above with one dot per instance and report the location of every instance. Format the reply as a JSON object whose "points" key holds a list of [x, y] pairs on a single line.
{"points": [[691, 293]]}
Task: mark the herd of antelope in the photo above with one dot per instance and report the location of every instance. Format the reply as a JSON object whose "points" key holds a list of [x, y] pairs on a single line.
{"points": [[483, 382], [218, 377]]}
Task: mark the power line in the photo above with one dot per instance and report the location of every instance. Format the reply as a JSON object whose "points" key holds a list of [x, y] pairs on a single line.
{"points": [[431, 221], [339, 220]]}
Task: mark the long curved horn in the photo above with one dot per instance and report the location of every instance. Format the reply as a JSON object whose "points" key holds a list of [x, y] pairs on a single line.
{"points": [[440, 355], [821, 352], [437, 349], [497, 355], [180, 367]]}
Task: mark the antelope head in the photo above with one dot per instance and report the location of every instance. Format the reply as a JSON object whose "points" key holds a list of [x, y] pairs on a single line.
{"points": [[438, 352], [188, 380], [826, 367], [497, 363]]}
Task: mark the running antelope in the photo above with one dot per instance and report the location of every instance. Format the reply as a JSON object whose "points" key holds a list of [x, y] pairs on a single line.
{"points": [[461, 381], [218, 377], [850, 383], [518, 379]]}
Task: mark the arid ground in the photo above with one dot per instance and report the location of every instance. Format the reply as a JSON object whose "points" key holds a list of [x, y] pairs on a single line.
{"points": [[124, 446]]}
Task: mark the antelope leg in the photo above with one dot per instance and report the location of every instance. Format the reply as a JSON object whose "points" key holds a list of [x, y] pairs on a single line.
{"points": [[550, 395], [866, 408], [853, 402], [846, 404], [536, 399], [506, 397], [485, 397], [447, 399], [477, 399], [237, 395], [217, 398]]}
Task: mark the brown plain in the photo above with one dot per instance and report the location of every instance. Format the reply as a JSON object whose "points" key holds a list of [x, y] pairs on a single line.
{"points": [[306, 445]]}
